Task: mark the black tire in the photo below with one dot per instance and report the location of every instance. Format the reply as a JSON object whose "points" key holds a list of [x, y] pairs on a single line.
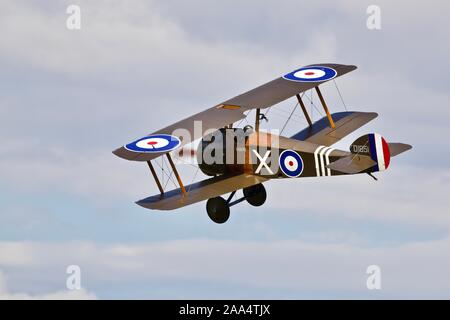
{"points": [[218, 209], [255, 195]]}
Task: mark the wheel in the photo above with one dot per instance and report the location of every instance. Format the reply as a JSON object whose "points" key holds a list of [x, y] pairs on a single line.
{"points": [[255, 195], [218, 209]]}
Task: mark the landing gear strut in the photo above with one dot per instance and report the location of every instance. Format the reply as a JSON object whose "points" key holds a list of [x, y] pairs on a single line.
{"points": [[219, 209]]}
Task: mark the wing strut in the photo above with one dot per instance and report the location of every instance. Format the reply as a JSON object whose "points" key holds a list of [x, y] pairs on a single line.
{"points": [[258, 113], [176, 174], [305, 112], [325, 108], [155, 176]]}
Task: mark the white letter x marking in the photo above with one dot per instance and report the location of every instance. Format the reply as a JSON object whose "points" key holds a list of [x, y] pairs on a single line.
{"points": [[263, 161]]}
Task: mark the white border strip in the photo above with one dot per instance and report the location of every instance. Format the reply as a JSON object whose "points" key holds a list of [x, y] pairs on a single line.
{"points": [[316, 160], [380, 153], [327, 160]]}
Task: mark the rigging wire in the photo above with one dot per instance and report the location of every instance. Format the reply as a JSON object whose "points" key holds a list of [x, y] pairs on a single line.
{"points": [[197, 169], [193, 179], [245, 119], [340, 95], [285, 124], [180, 159], [167, 182], [170, 175], [295, 117], [242, 120], [313, 105], [164, 172]]}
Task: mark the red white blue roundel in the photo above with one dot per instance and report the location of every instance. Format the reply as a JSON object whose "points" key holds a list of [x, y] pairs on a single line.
{"points": [[291, 163], [154, 143], [311, 74]]}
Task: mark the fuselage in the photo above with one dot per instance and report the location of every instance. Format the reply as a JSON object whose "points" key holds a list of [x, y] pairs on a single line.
{"points": [[264, 154]]}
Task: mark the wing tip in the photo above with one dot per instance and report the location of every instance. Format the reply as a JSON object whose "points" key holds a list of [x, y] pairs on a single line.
{"points": [[140, 203], [116, 152], [126, 154], [121, 153], [373, 114], [144, 203]]}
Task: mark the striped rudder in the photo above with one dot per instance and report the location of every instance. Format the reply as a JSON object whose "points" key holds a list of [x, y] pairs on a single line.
{"points": [[375, 146]]}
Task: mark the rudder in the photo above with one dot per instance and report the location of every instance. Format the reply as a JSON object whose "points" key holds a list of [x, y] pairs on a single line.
{"points": [[375, 146]]}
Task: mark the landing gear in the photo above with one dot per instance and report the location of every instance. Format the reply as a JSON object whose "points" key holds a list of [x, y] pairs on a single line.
{"points": [[255, 195], [218, 209]]}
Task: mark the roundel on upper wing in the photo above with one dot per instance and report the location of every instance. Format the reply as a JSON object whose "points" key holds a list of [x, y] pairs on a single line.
{"points": [[154, 143], [291, 163], [311, 74]]}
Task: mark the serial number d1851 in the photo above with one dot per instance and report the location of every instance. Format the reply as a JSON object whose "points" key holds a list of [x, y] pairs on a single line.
{"points": [[360, 149]]}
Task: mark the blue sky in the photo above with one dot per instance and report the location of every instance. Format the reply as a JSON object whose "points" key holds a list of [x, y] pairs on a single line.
{"points": [[68, 98]]}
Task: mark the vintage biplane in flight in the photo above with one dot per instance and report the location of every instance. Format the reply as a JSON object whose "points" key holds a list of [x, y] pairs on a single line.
{"points": [[244, 158]]}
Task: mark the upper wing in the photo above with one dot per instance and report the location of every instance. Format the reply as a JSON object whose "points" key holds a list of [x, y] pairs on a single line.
{"points": [[200, 191], [232, 110], [345, 122]]}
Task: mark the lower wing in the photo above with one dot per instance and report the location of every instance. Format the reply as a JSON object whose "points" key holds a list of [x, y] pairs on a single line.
{"points": [[200, 191]]}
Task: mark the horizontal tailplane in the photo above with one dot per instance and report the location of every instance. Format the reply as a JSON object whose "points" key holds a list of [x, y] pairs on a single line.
{"points": [[396, 148], [352, 164]]}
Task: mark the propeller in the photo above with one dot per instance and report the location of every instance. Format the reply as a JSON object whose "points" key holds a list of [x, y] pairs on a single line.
{"points": [[186, 153]]}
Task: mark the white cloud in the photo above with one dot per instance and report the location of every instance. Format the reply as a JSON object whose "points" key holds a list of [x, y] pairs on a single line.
{"points": [[257, 269], [15, 254], [137, 38], [5, 294]]}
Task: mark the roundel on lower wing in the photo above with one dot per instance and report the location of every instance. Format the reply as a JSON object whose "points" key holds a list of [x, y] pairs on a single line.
{"points": [[154, 143], [291, 163], [311, 74]]}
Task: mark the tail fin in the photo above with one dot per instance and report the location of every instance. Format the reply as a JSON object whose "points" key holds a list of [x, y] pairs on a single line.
{"points": [[374, 146]]}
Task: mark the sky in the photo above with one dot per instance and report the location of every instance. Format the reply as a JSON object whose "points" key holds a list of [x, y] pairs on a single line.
{"points": [[70, 97]]}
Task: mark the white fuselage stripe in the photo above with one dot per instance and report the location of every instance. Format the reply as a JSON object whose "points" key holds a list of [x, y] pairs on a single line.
{"points": [[322, 164], [327, 160], [316, 160]]}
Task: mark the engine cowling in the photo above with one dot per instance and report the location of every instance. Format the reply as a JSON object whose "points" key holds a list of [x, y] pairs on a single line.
{"points": [[222, 151]]}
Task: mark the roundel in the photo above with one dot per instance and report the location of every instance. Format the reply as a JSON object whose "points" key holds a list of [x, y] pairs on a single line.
{"points": [[311, 74], [154, 143], [291, 163]]}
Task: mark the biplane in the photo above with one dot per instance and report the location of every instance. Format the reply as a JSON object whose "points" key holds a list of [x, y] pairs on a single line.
{"points": [[245, 158]]}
